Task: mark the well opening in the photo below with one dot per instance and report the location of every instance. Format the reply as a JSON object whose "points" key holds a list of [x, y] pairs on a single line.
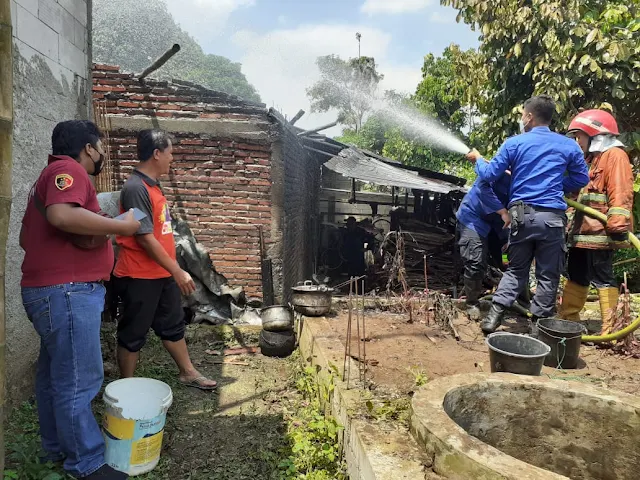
{"points": [[579, 436]]}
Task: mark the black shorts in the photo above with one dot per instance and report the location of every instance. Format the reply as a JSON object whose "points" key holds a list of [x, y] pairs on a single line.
{"points": [[149, 304], [586, 267]]}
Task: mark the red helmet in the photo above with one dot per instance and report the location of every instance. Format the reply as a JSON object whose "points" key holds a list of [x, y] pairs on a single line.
{"points": [[594, 122]]}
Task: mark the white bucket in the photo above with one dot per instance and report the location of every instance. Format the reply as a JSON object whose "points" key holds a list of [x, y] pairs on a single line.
{"points": [[136, 410]]}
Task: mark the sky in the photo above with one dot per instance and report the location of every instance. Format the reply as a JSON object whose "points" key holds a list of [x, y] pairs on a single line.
{"points": [[278, 41]]}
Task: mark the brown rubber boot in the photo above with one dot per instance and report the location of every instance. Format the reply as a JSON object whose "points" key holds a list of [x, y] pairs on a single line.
{"points": [[574, 297], [608, 304]]}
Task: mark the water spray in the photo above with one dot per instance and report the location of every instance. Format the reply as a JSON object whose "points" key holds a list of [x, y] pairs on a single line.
{"points": [[409, 119]]}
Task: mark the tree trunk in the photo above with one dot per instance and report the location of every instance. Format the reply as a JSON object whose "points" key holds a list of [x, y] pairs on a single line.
{"points": [[6, 135]]}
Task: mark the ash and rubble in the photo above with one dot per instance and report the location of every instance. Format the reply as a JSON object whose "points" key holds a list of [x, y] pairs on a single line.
{"points": [[214, 301]]}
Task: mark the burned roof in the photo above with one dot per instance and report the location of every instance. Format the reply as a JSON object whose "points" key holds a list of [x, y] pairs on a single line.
{"points": [[354, 163], [176, 98]]}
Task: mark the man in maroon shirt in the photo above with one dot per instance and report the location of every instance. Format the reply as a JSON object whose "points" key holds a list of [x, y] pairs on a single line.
{"points": [[67, 257]]}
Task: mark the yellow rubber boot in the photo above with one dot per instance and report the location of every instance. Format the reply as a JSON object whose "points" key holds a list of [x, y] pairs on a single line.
{"points": [[574, 297], [608, 305]]}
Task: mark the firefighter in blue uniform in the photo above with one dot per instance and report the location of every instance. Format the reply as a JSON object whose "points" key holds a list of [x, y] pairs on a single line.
{"points": [[475, 223], [544, 165]]}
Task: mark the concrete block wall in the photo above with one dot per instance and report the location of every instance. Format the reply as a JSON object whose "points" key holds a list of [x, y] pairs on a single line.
{"points": [[220, 181], [51, 72]]}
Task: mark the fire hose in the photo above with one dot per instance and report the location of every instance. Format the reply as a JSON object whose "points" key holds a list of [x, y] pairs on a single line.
{"points": [[620, 334], [633, 326]]}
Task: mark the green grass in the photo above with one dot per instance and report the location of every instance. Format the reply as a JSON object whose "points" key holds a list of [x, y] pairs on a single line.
{"points": [[279, 432]]}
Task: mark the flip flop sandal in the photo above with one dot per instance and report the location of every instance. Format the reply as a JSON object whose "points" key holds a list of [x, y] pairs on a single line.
{"points": [[195, 383]]}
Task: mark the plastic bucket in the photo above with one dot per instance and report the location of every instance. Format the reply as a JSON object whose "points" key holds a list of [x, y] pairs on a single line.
{"points": [[136, 410], [519, 354], [564, 338]]}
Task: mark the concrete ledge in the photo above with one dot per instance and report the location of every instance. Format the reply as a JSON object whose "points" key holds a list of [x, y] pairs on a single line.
{"points": [[371, 453], [554, 407], [242, 129]]}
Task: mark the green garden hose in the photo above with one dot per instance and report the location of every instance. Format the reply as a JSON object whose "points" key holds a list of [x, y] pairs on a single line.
{"points": [[633, 326]]}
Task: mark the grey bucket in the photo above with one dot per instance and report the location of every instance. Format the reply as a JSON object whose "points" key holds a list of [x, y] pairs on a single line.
{"points": [[518, 354], [564, 338]]}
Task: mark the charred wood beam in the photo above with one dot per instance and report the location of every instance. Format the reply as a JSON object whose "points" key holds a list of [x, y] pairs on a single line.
{"points": [[324, 144], [319, 151], [319, 129], [160, 61], [297, 117]]}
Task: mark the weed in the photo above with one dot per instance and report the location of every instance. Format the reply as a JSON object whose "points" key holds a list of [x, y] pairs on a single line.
{"points": [[23, 448], [420, 378], [314, 437], [390, 409]]}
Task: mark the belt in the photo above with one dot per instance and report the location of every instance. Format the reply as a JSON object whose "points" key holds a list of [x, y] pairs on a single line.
{"points": [[517, 210], [533, 209]]}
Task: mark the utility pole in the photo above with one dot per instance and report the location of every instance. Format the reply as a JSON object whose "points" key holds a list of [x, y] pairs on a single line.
{"points": [[358, 37]]}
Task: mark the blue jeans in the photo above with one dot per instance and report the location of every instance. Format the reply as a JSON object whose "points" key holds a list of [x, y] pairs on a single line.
{"points": [[70, 371]]}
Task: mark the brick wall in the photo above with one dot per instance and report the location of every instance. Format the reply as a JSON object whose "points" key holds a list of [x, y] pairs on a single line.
{"points": [[220, 185]]}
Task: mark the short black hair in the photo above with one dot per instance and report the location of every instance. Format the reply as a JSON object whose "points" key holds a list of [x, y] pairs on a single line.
{"points": [[541, 107], [71, 136], [151, 140]]}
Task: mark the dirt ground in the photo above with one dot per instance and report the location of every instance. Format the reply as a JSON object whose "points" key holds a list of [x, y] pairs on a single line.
{"points": [[242, 431], [403, 355]]}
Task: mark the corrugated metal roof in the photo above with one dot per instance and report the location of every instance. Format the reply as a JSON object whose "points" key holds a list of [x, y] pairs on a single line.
{"points": [[353, 163]]}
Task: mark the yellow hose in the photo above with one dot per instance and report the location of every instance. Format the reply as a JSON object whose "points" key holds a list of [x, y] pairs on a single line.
{"points": [[633, 326]]}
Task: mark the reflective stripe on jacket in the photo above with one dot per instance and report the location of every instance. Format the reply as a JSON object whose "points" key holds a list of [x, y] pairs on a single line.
{"points": [[609, 191]]}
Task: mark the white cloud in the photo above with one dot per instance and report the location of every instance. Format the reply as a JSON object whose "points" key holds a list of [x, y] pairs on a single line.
{"points": [[394, 6], [281, 64], [438, 17], [204, 19]]}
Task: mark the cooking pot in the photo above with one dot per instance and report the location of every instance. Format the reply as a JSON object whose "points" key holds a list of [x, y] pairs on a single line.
{"points": [[278, 318], [311, 300]]}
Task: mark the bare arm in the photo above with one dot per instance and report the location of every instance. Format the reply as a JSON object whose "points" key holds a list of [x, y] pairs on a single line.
{"points": [[159, 255], [74, 219]]}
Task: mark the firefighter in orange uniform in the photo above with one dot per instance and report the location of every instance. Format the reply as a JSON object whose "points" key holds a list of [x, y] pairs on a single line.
{"points": [[610, 191]]}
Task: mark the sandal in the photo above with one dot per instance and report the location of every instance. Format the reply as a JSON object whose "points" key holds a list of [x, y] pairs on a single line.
{"points": [[197, 383]]}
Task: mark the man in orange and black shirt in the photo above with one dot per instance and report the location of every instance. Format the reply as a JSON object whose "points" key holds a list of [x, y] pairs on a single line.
{"points": [[148, 278]]}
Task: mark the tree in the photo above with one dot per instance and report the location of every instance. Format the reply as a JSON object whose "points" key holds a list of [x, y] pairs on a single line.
{"points": [[444, 91], [133, 38], [442, 94], [348, 86], [371, 135], [584, 53]]}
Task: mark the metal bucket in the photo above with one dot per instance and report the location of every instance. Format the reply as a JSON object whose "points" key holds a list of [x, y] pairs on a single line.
{"points": [[518, 354]]}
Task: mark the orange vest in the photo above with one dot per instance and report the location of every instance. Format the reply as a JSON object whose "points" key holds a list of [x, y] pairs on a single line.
{"points": [[133, 260]]}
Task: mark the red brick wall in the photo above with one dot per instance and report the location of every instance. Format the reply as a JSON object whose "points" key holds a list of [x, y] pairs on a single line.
{"points": [[221, 186]]}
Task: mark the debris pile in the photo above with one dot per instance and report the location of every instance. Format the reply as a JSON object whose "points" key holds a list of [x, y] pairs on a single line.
{"points": [[413, 247]]}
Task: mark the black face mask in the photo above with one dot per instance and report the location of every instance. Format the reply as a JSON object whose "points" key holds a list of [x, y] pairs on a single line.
{"points": [[97, 166]]}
